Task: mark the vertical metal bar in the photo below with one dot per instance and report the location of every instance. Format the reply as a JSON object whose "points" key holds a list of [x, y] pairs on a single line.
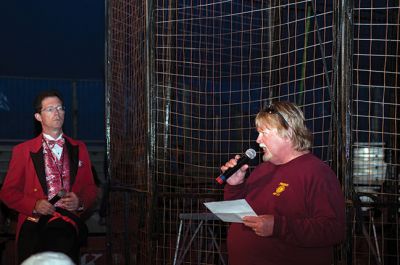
{"points": [[379, 260], [178, 241], [344, 105], [322, 51], [168, 85], [273, 26], [214, 241], [151, 198], [107, 103], [188, 244]]}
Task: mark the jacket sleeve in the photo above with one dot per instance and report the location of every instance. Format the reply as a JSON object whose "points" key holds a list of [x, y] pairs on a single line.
{"points": [[84, 186], [13, 192]]}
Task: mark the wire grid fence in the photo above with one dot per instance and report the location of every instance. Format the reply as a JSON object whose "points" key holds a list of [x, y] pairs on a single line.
{"points": [[217, 63], [126, 133], [376, 110], [213, 65]]}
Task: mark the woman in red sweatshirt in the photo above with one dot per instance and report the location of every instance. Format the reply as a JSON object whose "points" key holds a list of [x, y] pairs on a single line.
{"points": [[297, 197]]}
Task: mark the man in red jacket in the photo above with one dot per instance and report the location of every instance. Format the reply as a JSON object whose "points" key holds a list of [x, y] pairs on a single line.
{"points": [[297, 197], [41, 169]]}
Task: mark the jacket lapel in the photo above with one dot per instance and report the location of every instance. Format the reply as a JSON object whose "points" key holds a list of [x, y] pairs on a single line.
{"points": [[73, 155], [38, 162]]}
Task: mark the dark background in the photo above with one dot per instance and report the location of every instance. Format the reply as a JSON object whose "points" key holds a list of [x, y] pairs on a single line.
{"points": [[52, 45], [52, 39]]}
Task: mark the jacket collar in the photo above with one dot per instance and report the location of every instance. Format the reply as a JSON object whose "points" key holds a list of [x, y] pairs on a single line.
{"points": [[36, 153]]}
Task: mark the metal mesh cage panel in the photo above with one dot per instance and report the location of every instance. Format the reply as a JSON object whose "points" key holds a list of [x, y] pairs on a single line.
{"points": [[217, 64], [375, 163], [127, 133]]}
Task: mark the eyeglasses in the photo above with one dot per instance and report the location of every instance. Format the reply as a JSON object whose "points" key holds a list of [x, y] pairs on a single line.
{"points": [[52, 109], [271, 110]]}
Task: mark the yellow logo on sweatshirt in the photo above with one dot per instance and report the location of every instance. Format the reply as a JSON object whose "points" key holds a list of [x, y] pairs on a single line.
{"points": [[282, 186]]}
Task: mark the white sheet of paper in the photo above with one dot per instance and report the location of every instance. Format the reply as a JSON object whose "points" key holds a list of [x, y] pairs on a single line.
{"points": [[231, 211]]}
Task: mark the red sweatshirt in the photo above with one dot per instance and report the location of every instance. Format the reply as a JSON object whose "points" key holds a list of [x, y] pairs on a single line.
{"points": [[306, 200]]}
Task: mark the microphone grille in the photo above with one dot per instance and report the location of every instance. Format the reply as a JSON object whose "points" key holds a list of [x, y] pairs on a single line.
{"points": [[250, 153], [61, 193]]}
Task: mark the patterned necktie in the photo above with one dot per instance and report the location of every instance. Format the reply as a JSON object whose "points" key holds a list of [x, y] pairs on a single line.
{"points": [[51, 143]]}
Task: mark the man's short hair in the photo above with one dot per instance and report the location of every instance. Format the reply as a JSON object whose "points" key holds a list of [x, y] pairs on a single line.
{"points": [[37, 103]]}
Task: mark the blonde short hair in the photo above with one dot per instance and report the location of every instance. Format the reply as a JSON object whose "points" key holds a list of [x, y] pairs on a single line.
{"points": [[289, 120]]}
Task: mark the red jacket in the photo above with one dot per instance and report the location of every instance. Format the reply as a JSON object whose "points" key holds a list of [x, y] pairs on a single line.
{"points": [[25, 182]]}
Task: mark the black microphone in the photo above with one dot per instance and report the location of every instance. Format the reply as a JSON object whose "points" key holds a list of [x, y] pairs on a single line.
{"points": [[249, 154], [57, 197]]}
